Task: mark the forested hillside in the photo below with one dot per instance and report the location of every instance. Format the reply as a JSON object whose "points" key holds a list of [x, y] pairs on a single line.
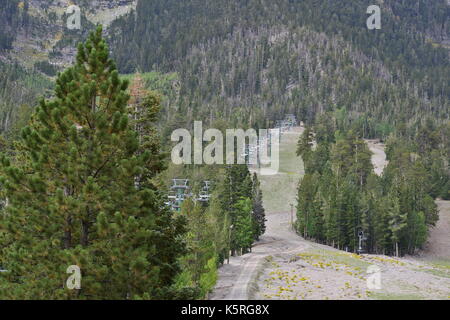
{"points": [[19, 90], [175, 28], [256, 60], [249, 61], [13, 16]]}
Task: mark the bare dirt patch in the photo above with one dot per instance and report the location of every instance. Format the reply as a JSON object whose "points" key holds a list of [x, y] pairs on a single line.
{"points": [[379, 156], [438, 245]]}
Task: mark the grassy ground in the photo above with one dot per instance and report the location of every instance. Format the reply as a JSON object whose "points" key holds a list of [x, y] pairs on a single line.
{"points": [[277, 189], [323, 273]]}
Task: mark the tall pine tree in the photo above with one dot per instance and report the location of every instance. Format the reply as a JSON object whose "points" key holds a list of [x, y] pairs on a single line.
{"points": [[73, 196]]}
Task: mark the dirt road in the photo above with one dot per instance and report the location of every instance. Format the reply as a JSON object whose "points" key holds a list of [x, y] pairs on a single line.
{"points": [[237, 280], [285, 266]]}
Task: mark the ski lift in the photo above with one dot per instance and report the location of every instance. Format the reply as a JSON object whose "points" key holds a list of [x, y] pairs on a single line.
{"points": [[362, 238], [205, 194], [179, 191]]}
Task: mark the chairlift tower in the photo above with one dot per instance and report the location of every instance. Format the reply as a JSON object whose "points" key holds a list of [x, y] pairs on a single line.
{"points": [[362, 238], [205, 193], [291, 119], [179, 191]]}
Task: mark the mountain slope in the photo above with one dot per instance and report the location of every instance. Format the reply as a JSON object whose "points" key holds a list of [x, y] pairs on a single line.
{"points": [[252, 60], [35, 44]]}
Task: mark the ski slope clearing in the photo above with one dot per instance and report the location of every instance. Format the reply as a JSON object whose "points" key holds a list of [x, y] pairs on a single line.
{"points": [[379, 156], [438, 246]]}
